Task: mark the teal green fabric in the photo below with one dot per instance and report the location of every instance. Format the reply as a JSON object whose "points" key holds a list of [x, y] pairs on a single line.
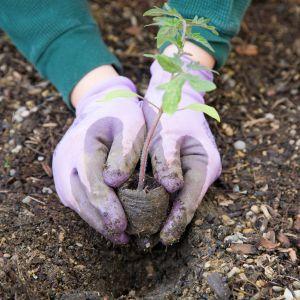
{"points": [[59, 37], [225, 15], [63, 41]]}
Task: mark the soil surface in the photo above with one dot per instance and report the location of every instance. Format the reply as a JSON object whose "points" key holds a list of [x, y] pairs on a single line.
{"points": [[244, 240]]}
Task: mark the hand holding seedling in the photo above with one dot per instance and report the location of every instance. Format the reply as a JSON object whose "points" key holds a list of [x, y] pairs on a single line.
{"points": [[183, 152], [100, 150], [182, 148], [103, 135]]}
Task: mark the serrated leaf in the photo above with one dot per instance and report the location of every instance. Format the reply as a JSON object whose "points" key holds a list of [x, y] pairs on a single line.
{"points": [[196, 67], [177, 58], [172, 11], [200, 39], [202, 22], [172, 95], [207, 109], [166, 11], [118, 94], [154, 12], [165, 34], [168, 21], [168, 63], [200, 85], [149, 55]]}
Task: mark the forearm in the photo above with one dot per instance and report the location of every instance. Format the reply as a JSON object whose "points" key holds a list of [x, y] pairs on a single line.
{"points": [[226, 16], [59, 37]]}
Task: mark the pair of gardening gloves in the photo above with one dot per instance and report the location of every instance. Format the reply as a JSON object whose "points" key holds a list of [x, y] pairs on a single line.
{"points": [[100, 151]]}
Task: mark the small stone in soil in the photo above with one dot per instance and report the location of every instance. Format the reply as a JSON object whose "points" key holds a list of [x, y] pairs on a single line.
{"points": [[218, 285], [46, 190], [236, 188], [12, 172], [269, 116], [235, 238], [17, 149], [239, 145], [26, 200]]}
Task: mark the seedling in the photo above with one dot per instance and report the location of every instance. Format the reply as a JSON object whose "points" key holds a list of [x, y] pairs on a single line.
{"points": [[176, 30]]}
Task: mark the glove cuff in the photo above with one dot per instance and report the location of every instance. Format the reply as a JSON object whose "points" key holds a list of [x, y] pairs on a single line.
{"points": [[119, 82]]}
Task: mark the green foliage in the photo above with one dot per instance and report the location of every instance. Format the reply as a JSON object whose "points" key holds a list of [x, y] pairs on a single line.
{"points": [[202, 22], [200, 39], [200, 85], [172, 94], [171, 64], [118, 94], [165, 11], [209, 110], [193, 65], [175, 29]]}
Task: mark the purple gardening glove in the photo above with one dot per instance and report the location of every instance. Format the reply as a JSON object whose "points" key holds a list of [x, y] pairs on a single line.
{"points": [[183, 152], [99, 151]]}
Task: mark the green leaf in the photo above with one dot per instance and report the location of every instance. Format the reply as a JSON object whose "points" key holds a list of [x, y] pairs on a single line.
{"points": [[168, 63], [200, 39], [209, 110], [196, 66], [166, 11], [118, 94], [165, 34], [150, 55], [168, 21], [200, 85], [202, 22], [172, 95], [154, 12], [172, 11]]}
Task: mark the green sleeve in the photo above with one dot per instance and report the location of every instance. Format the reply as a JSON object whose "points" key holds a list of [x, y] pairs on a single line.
{"points": [[225, 15], [59, 37]]}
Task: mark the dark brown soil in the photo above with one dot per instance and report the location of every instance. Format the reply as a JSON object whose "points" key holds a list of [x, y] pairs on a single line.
{"points": [[246, 229], [146, 210]]}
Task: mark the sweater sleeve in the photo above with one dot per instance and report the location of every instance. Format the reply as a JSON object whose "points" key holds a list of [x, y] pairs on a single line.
{"points": [[226, 16], [59, 37]]}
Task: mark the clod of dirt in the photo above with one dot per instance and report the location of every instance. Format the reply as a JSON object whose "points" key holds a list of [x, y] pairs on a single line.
{"points": [[218, 285], [146, 210]]}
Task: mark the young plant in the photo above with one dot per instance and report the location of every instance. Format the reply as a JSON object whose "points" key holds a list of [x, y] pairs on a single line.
{"points": [[176, 30]]}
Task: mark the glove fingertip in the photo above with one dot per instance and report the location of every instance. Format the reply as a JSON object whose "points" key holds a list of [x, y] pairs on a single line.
{"points": [[172, 183], [114, 178], [119, 239], [174, 226]]}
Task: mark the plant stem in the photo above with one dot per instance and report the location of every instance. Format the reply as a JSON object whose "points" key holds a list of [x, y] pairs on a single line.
{"points": [[184, 26], [145, 151]]}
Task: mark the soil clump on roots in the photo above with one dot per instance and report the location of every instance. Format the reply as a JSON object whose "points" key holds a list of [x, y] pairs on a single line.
{"points": [[146, 210]]}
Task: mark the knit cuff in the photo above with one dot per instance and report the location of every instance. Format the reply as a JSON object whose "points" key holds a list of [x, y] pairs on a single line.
{"points": [[72, 55]]}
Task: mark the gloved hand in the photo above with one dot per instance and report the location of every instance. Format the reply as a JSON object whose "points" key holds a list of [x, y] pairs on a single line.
{"points": [[99, 151], [183, 152]]}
